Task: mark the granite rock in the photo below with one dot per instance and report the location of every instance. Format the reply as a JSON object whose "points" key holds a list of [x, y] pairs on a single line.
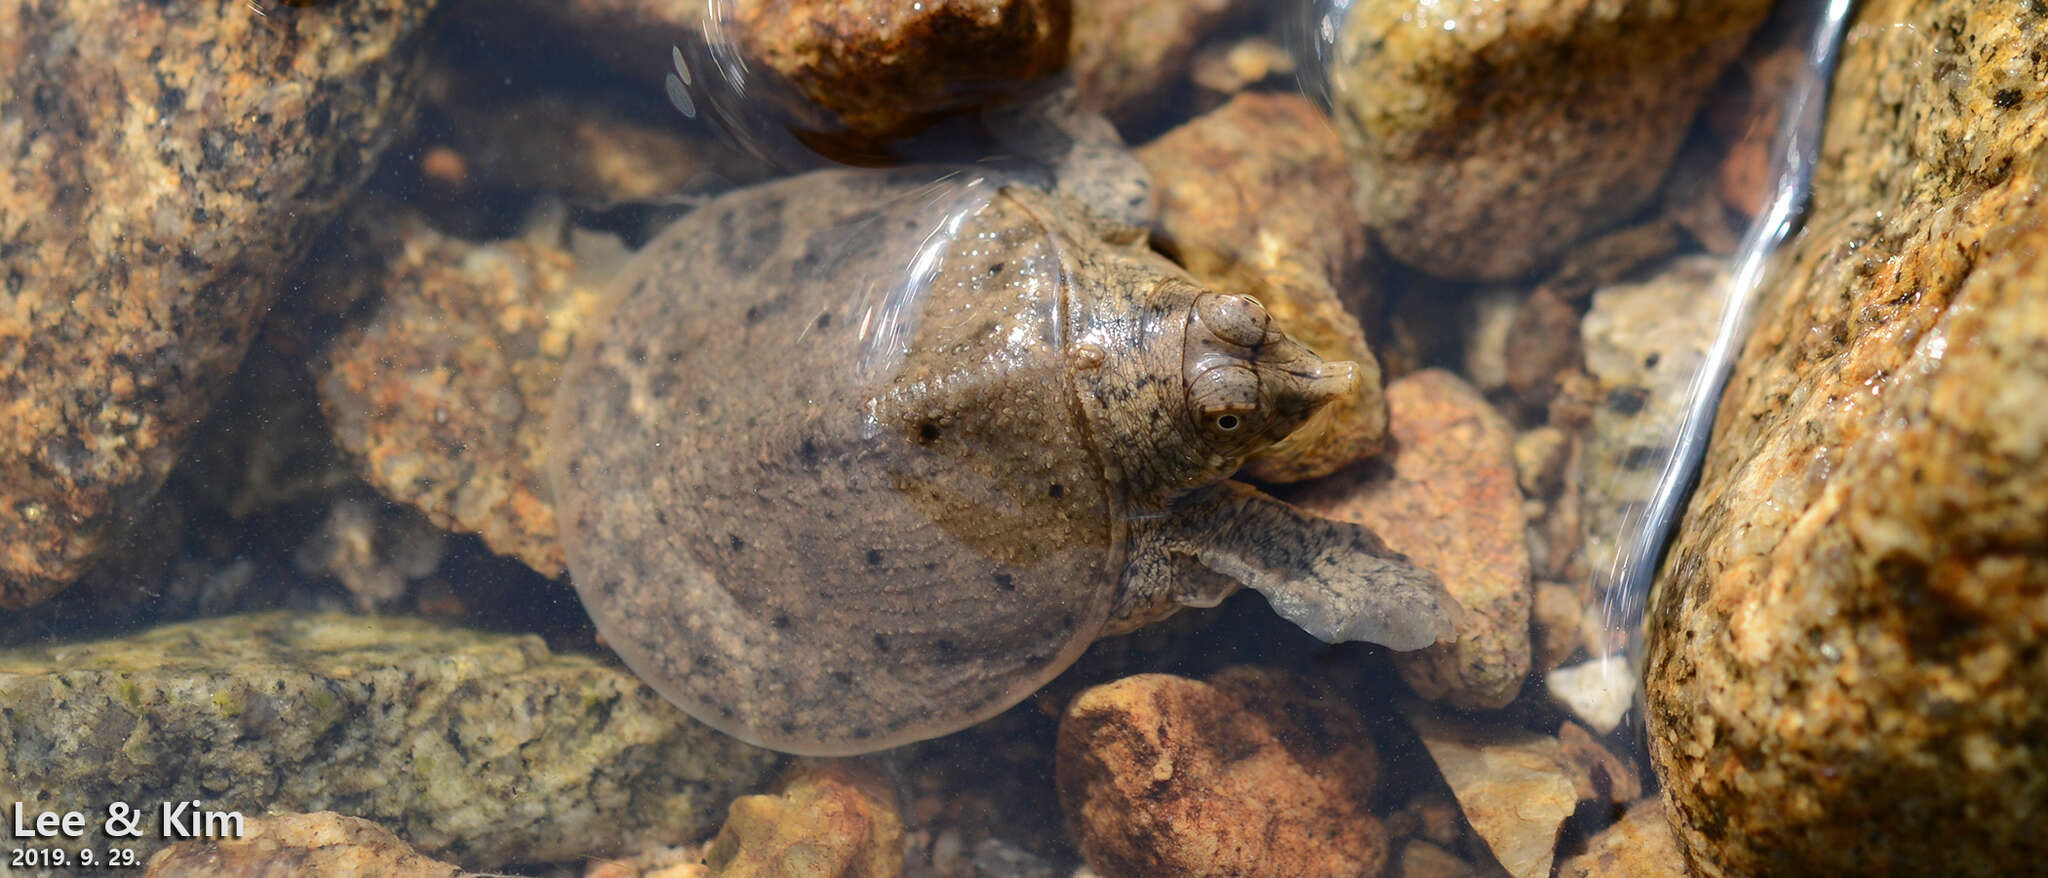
{"points": [[443, 394], [1448, 498], [828, 820], [323, 844], [875, 69], [161, 177], [480, 748], [1246, 205], [1490, 137], [1848, 630], [1254, 774]]}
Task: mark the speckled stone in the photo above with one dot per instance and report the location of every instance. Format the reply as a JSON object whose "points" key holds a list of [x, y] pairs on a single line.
{"points": [[1246, 204], [322, 844], [827, 820], [478, 748], [1491, 136], [166, 164], [879, 68], [1448, 497], [1846, 665], [1644, 345], [443, 394], [1251, 775]]}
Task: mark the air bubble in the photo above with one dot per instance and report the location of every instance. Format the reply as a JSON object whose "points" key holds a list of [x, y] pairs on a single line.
{"points": [[679, 96]]}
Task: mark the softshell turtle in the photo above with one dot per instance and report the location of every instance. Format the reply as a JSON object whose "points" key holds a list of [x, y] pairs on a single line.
{"points": [[852, 458]]}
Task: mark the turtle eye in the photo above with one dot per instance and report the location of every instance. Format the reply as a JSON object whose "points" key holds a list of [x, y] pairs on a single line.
{"points": [[1225, 400], [1239, 320]]}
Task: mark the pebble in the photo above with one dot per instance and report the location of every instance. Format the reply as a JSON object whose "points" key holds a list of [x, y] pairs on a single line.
{"points": [[1254, 774]]}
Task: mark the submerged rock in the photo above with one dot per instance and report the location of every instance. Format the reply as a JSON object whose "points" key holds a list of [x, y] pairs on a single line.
{"points": [[1128, 51], [1246, 205], [875, 69], [481, 748], [1645, 342], [1490, 137], [1846, 664], [165, 167], [325, 844], [827, 821], [1515, 787], [1452, 504], [443, 394], [1251, 775], [1639, 845]]}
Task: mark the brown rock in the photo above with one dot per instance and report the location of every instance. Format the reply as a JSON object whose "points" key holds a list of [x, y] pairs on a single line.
{"points": [[828, 821], [1421, 859], [376, 550], [878, 68], [1599, 774], [1516, 787], [1639, 845], [1559, 619], [1542, 346], [443, 395], [1126, 51], [1252, 774], [1846, 671], [167, 173], [323, 844], [1451, 503], [1245, 204], [591, 150], [1490, 137]]}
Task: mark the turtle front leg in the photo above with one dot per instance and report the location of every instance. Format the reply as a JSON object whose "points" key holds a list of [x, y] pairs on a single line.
{"points": [[1335, 579]]}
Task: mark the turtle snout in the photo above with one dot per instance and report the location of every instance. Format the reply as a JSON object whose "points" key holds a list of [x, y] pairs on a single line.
{"points": [[1333, 380]]}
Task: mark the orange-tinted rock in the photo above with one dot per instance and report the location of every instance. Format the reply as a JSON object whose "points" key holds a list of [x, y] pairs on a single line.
{"points": [[165, 166], [828, 821], [1491, 137], [1846, 667], [1448, 498], [878, 68], [1254, 774], [1247, 204], [443, 394], [323, 844]]}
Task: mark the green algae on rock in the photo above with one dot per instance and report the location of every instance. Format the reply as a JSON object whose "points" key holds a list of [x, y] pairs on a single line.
{"points": [[1490, 136], [480, 748], [165, 167], [1846, 670]]}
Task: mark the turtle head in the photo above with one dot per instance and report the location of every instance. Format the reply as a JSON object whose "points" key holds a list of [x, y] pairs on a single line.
{"points": [[1248, 383]]}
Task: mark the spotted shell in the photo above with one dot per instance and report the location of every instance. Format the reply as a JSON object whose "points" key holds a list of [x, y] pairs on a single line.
{"points": [[820, 476]]}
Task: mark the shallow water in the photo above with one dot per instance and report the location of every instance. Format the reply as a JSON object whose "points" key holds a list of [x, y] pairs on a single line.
{"points": [[376, 453]]}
